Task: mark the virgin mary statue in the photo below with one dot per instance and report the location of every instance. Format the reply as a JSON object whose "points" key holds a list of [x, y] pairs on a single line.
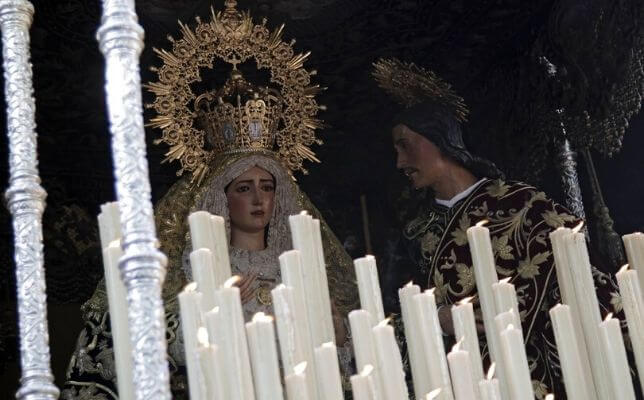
{"points": [[239, 146]]}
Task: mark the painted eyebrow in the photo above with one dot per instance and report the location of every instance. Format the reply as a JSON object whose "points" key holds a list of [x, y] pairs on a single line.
{"points": [[251, 181]]}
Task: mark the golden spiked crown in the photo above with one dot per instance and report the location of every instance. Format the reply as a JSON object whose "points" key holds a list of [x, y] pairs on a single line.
{"points": [[239, 116], [409, 84]]}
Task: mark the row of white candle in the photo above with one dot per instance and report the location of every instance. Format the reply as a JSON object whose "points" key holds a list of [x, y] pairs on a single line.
{"points": [[458, 374], [241, 362]]}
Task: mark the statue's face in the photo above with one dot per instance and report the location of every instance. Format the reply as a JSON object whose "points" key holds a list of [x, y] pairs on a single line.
{"points": [[419, 158], [250, 200]]}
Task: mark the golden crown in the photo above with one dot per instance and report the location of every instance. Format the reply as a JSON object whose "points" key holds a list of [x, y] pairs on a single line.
{"points": [[238, 116], [410, 84]]}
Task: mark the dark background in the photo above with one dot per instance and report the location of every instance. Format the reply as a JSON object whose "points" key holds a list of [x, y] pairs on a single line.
{"points": [[489, 51]]}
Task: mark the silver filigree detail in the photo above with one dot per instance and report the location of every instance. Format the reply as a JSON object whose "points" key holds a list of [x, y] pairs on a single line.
{"points": [[569, 178], [142, 266], [26, 201]]}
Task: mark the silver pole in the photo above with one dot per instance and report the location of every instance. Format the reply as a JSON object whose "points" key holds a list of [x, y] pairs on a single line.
{"points": [[26, 201], [142, 265], [569, 178]]}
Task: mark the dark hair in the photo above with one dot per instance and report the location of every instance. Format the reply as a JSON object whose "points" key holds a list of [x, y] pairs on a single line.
{"points": [[437, 124]]}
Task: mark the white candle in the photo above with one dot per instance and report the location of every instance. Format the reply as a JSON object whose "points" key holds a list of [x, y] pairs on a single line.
{"points": [[461, 372], [389, 362], [505, 299], [613, 344], [434, 394], [225, 325], [369, 287], [287, 328], [631, 292], [433, 348], [109, 224], [293, 277], [489, 388], [263, 356], [363, 347], [328, 372], [209, 232], [200, 231], [190, 309], [324, 284], [296, 387], [363, 386], [634, 246], [505, 319], [204, 274], [582, 277], [465, 331], [212, 367], [484, 265], [220, 251], [578, 385], [302, 235], [117, 302], [516, 363], [566, 284], [419, 368]]}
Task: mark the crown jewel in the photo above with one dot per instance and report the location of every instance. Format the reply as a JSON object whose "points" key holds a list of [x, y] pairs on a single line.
{"points": [[238, 116]]}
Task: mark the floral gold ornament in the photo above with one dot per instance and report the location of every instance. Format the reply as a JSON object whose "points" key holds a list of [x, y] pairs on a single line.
{"points": [[410, 84], [238, 116]]}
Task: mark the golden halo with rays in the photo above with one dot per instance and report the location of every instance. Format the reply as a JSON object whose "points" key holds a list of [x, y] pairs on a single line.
{"points": [[232, 37]]}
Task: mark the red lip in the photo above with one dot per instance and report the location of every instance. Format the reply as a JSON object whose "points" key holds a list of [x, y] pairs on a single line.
{"points": [[258, 213]]}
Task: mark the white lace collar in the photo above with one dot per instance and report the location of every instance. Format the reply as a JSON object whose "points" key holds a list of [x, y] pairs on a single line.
{"points": [[450, 203]]}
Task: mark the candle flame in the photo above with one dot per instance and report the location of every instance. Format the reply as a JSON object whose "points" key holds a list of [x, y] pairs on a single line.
{"points": [[510, 326], [577, 228], [261, 317], [202, 336], [230, 282], [434, 394], [482, 223], [506, 280], [367, 370], [466, 300], [431, 291], [191, 287], [299, 368], [384, 322], [609, 316], [623, 269], [550, 397], [491, 371], [410, 283], [457, 346], [303, 212]]}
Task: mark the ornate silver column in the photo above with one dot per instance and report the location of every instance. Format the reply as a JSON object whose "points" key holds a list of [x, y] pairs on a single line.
{"points": [[570, 180], [142, 265], [26, 201]]}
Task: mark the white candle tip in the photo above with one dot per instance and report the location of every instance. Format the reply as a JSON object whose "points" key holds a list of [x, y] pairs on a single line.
{"points": [[384, 322], [506, 280], [434, 394], [327, 344], [624, 268], [191, 287], [410, 283], [609, 316], [466, 300], [230, 282], [457, 346], [430, 291], [299, 368], [261, 317], [482, 223], [550, 397], [303, 212], [367, 370], [491, 371], [577, 228], [115, 244], [202, 336]]}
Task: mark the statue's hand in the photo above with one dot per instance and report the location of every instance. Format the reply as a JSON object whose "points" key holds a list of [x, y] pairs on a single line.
{"points": [[246, 287], [338, 325]]}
